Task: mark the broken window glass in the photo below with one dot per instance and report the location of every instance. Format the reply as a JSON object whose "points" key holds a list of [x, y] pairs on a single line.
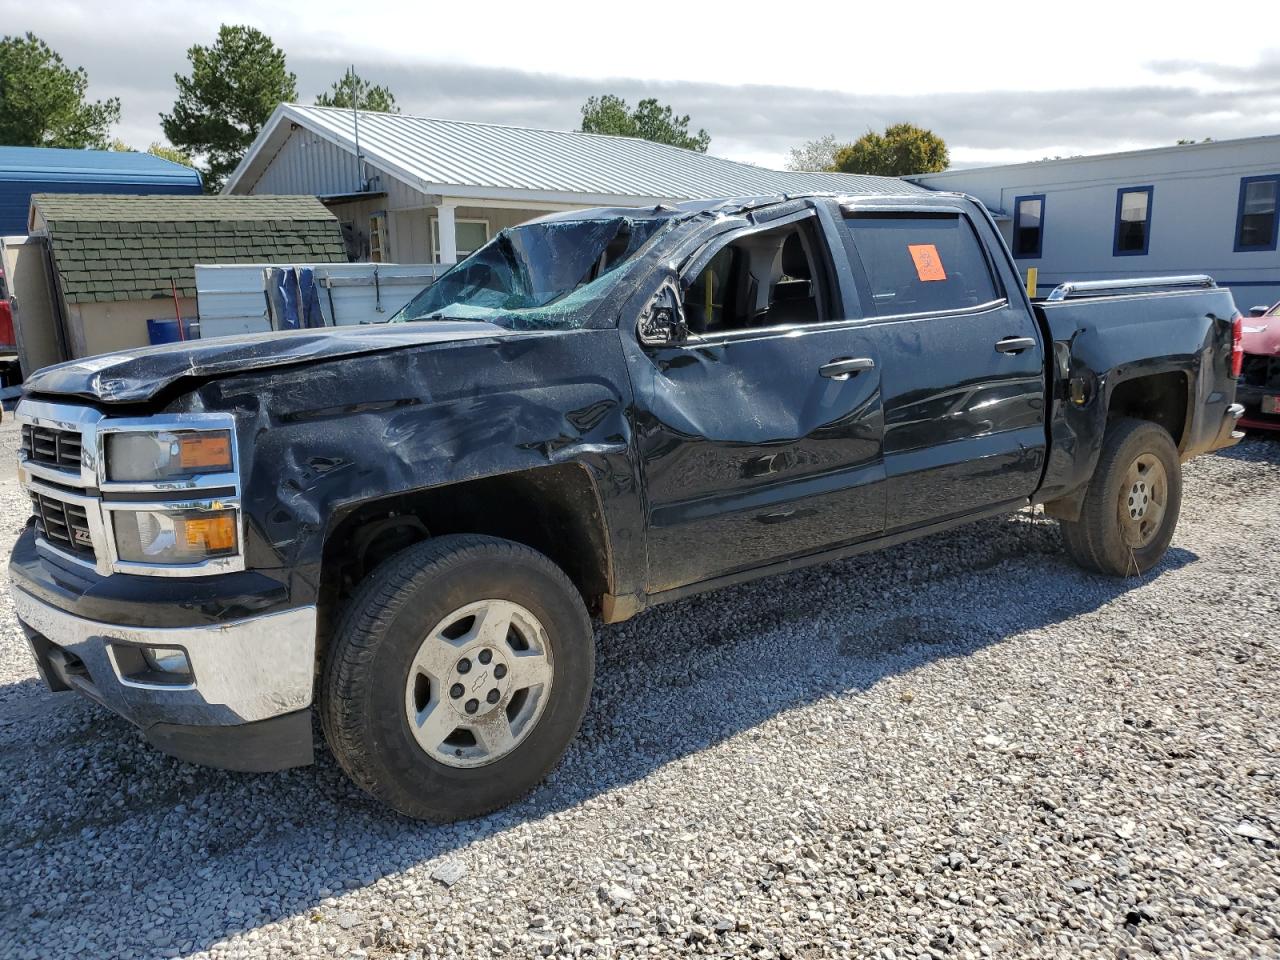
{"points": [[526, 271]]}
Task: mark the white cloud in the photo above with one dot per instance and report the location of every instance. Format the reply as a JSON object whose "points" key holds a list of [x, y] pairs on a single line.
{"points": [[997, 81]]}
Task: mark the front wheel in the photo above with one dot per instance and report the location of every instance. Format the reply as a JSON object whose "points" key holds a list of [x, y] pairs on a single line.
{"points": [[457, 677], [1131, 507]]}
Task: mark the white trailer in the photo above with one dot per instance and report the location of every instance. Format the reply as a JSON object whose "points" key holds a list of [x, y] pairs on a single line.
{"points": [[234, 299]]}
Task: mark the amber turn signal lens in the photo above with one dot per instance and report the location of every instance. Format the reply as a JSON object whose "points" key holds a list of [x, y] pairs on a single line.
{"points": [[203, 451], [212, 534]]}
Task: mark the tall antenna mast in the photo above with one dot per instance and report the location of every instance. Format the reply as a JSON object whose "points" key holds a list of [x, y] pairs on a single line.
{"points": [[355, 116]]}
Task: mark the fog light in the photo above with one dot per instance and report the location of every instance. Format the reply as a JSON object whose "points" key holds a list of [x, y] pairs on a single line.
{"points": [[152, 666], [167, 659]]}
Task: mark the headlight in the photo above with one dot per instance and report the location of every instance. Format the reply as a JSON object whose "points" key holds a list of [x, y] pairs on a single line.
{"points": [[145, 536], [138, 456]]}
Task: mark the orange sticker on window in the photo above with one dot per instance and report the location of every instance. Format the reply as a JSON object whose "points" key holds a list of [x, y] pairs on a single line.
{"points": [[928, 263]]}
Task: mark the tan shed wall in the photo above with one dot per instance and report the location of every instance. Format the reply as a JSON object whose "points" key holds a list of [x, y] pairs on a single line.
{"points": [[28, 280], [103, 327]]}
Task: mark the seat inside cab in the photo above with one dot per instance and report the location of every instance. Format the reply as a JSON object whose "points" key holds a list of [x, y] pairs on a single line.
{"points": [[769, 278]]}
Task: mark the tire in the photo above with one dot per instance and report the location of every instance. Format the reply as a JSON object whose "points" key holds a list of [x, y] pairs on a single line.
{"points": [[396, 655], [1131, 507]]}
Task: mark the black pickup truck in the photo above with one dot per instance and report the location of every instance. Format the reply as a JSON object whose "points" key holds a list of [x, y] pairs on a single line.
{"points": [[408, 526]]}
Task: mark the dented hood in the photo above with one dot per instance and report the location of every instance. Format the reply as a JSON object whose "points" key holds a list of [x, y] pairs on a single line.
{"points": [[132, 376]]}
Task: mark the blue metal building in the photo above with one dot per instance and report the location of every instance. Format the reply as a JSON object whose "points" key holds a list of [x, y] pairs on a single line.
{"points": [[28, 170]]}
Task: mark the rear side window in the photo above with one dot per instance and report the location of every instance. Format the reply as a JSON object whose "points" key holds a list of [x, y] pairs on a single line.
{"points": [[920, 263]]}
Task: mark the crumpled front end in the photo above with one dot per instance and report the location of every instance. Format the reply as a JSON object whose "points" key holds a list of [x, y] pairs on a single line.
{"points": [[131, 586]]}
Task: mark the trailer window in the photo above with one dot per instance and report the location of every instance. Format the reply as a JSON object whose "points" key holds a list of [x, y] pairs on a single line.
{"points": [[1256, 218], [1028, 227], [920, 263], [1133, 221]]}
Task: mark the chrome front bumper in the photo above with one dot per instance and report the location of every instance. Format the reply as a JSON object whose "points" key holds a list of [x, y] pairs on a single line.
{"points": [[242, 671]]}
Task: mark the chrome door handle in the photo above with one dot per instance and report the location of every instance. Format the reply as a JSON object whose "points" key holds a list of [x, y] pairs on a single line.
{"points": [[842, 368], [1015, 344]]}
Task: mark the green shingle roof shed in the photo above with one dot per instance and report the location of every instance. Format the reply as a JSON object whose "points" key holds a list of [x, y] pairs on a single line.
{"points": [[110, 248]]}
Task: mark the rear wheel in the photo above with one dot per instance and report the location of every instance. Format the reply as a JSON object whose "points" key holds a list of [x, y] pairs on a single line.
{"points": [[1131, 507], [457, 677]]}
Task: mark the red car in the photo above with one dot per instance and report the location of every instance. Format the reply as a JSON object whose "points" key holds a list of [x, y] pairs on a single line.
{"points": [[1259, 386], [6, 315]]}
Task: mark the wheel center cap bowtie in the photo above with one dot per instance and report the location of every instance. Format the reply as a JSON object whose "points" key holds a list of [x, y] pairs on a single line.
{"points": [[479, 682]]}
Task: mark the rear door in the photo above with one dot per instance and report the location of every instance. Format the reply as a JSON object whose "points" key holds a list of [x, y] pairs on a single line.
{"points": [[759, 434], [963, 367]]}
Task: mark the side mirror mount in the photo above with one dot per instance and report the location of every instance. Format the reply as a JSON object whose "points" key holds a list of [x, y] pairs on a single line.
{"points": [[662, 322], [1258, 311]]}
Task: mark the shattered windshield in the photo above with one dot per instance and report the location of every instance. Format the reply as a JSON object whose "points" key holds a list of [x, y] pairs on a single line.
{"points": [[538, 275]]}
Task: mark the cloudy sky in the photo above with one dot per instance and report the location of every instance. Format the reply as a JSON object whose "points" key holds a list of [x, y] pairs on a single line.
{"points": [[1000, 82]]}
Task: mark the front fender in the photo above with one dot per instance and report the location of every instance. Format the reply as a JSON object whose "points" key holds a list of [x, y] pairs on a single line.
{"points": [[322, 438]]}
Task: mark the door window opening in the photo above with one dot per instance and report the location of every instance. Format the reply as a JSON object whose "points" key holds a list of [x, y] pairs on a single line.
{"points": [[767, 278]]}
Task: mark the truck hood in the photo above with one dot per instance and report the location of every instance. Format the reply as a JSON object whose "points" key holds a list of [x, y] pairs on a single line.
{"points": [[132, 376], [1261, 336]]}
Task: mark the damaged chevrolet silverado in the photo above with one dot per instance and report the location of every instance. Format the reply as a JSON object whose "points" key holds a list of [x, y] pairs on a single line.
{"points": [[407, 527]]}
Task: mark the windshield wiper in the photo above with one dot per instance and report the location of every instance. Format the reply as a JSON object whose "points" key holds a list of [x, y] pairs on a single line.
{"points": [[436, 315]]}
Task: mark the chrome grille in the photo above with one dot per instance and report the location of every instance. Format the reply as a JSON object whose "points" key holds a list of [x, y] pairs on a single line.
{"points": [[65, 525], [58, 448]]}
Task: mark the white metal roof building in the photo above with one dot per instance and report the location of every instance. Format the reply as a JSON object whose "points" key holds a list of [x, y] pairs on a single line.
{"points": [[1192, 208], [416, 173]]}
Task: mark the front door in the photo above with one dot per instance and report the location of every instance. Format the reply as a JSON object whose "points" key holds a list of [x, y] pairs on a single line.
{"points": [[759, 434], [964, 368]]}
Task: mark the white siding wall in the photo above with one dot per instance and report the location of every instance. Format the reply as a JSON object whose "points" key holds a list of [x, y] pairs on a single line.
{"points": [[1192, 221], [306, 163], [412, 228], [357, 214], [410, 241]]}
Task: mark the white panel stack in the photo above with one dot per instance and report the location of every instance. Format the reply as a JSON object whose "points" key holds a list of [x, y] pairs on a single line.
{"points": [[232, 299]]}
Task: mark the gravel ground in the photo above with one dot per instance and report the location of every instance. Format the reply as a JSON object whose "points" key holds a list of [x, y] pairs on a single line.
{"points": [[963, 747]]}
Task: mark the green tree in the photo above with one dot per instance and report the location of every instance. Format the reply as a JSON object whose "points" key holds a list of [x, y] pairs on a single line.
{"points": [[233, 87], [172, 154], [816, 155], [157, 149], [902, 149], [42, 100], [354, 91], [648, 121]]}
